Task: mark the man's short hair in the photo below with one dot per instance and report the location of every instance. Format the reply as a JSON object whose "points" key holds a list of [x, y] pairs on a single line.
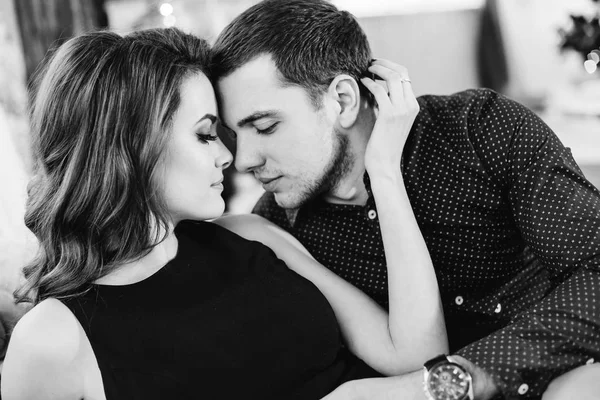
{"points": [[310, 41]]}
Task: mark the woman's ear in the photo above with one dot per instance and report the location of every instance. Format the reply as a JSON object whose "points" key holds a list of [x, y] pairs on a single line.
{"points": [[345, 91]]}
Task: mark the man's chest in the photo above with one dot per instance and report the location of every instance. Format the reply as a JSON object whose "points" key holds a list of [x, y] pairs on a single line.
{"points": [[466, 222]]}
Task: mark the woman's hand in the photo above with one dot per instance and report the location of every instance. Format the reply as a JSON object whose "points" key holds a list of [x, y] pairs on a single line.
{"points": [[395, 113], [408, 386]]}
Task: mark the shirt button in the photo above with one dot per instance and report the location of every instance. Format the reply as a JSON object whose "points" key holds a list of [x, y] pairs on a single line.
{"points": [[498, 308], [590, 361], [372, 214], [523, 388], [459, 300]]}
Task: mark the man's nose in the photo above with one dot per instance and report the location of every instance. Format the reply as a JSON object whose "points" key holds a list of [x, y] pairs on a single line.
{"points": [[248, 155]]}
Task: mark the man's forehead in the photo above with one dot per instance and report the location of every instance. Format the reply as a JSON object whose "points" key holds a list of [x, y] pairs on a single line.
{"points": [[237, 104], [253, 88], [259, 69]]}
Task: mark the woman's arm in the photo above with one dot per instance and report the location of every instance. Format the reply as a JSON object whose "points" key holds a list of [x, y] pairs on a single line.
{"points": [[416, 312], [42, 361]]}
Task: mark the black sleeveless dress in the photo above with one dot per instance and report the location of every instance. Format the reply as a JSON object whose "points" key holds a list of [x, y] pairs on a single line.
{"points": [[225, 319]]}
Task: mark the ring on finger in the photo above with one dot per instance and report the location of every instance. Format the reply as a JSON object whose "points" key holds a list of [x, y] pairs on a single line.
{"points": [[405, 80]]}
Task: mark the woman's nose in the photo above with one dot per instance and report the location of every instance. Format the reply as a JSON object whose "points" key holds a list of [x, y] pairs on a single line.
{"points": [[224, 158]]}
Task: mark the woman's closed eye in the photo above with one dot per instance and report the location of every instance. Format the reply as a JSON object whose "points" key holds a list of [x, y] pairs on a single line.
{"points": [[207, 133], [206, 137]]}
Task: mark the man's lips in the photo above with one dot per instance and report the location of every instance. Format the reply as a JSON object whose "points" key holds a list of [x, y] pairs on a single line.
{"points": [[269, 183], [218, 183], [265, 181]]}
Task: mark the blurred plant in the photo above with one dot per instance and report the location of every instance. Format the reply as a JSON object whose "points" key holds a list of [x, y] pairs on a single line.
{"points": [[583, 37]]}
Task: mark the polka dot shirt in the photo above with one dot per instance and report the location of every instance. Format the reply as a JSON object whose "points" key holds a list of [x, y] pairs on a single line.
{"points": [[513, 228]]}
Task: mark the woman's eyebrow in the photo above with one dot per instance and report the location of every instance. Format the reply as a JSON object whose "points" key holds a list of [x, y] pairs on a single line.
{"points": [[211, 117]]}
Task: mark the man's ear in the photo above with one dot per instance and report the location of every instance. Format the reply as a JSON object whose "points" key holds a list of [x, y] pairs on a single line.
{"points": [[345, 91]]}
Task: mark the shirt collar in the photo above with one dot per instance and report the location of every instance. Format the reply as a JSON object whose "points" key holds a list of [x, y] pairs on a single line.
{"points": [[294, 214]]}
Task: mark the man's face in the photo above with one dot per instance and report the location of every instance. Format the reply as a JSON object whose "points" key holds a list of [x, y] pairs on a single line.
{"points": [[292, 148]]}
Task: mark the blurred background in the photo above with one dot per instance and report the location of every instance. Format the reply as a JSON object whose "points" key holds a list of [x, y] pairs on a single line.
{"points": [[543, 53]]}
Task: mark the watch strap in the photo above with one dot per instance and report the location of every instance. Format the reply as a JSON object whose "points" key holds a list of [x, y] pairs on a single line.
{"points": [[434, 361]]}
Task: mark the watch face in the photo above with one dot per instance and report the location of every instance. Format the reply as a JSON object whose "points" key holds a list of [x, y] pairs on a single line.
{"points": [[448, 382]]}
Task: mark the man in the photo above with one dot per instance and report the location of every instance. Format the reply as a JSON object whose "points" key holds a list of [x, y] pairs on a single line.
{"points": [[512, 225]]}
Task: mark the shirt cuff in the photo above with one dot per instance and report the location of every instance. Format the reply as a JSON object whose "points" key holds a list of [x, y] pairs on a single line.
{"points": [[516, 378]]}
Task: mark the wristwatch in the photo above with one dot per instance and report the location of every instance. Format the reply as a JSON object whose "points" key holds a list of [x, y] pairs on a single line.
{"points": [[445, 379]]}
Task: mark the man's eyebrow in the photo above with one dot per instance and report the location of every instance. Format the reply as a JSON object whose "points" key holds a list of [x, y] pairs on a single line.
{"points": [[256, 116]]}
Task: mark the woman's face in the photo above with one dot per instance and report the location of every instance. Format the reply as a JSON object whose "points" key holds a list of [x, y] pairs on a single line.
{"points": [[192, 178]]}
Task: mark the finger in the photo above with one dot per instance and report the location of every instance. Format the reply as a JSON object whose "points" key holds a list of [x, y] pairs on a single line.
{"points": [[394, 79], [402, 70], [378, 80], [409, 94], [379, 92]]}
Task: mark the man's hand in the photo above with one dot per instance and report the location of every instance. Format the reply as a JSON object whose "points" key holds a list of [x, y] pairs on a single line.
{"points": [[403, 387], [395, 114], [484, 387]]}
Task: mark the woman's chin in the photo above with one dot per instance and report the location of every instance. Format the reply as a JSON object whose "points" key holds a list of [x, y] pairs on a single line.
{"points": [[208, 210], [213, 211]]}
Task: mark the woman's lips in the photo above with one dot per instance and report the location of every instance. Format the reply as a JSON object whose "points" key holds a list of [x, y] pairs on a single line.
{"points": [[218, 184]]}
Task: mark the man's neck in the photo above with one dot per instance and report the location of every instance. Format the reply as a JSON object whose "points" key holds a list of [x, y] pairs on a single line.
{"points": [[351, 188]]}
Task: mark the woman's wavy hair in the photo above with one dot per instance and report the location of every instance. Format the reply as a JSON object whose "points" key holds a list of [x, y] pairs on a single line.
{"points": [[100, 118]]}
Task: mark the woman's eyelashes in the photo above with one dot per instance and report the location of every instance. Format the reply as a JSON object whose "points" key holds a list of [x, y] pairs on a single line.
{"points": [[206, 137], [266, 130], [208, 133]]}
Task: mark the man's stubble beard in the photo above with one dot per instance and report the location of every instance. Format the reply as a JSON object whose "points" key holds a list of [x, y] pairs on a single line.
{"points": [[339, 166]]}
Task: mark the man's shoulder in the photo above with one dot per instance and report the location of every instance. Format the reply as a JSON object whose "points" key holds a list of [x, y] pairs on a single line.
{"points": [[463, 96], [478, 101]]}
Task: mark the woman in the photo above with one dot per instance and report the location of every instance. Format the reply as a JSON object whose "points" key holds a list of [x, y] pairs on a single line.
{"points": [[134, 300]]}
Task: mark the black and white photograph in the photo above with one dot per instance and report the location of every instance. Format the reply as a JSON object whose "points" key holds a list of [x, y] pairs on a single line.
{"points": [[299, 199]]}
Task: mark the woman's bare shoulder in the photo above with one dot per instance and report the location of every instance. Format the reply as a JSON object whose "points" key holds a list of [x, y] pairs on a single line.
{"points": [[250, 226], [44, 348], [49, 327], [241, 221], [255, 227]]}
